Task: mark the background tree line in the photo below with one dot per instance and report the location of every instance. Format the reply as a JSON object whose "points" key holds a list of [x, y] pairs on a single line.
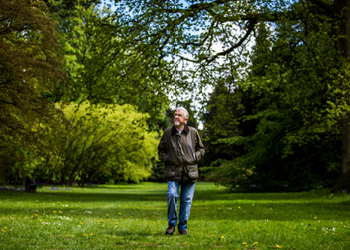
{"points": [[277, 118], [69, 110], [279, 113]]}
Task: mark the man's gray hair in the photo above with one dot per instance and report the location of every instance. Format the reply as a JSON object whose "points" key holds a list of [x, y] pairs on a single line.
{"points": [[184, 110]]}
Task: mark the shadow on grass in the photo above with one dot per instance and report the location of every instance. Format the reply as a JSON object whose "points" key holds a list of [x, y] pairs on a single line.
{"points": [[140, 209], [135, 193]]}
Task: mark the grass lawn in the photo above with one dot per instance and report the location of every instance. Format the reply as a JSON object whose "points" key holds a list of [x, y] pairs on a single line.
{"points": [[134, 217]]}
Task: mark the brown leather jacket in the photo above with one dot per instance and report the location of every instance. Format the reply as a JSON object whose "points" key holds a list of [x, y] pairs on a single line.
{"points": [[181, 154]]}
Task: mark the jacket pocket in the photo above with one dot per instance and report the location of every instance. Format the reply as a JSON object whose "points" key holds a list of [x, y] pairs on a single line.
{"points": [[169, 172], [192, 171]]}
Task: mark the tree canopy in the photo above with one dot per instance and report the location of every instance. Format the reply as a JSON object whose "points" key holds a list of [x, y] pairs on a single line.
{"points": [[30, 68], [305, 65], [279, 71]]}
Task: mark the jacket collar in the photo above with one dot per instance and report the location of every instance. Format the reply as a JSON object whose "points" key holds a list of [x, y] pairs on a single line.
{"points": [[173, 129]]}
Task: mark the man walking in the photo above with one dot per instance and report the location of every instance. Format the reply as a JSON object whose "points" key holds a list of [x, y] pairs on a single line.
{"points": [[180, 148]]}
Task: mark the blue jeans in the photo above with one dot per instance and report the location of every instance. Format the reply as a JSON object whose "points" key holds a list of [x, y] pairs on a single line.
{"points": [[186, 196]]}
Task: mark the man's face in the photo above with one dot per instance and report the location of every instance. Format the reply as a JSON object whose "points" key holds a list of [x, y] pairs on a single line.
{"points": [[179, 118]]}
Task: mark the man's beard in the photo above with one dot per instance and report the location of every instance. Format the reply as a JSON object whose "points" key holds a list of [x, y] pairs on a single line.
{"points": [[177, 123]]}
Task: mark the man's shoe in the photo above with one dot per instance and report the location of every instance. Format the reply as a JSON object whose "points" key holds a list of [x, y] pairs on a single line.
{"points": [[170, 230], [183, 232]]}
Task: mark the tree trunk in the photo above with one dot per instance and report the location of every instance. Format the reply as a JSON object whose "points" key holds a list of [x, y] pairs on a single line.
{"points": [[346, 145], [344, 50], [16, 175], [344, 181]]}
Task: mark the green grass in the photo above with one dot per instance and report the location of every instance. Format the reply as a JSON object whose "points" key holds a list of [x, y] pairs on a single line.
{"points": [[134, 217]]}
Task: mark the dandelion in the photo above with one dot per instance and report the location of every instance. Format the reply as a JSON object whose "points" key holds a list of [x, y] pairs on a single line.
{"points": [[107, 214], [5, 227], [223, 237], [91, 234], [119, 213], [81, 222], [154, 222], [239, 207], [252, 204], [98, 221], [278, 246], [35, 215], [25, 218], [116, 226], [315, 218], [267, 234], [60, 212], [255, 243], [54, 211], [3, 230], [130, 216], [244, 243], [85, 234], [40, 220]]}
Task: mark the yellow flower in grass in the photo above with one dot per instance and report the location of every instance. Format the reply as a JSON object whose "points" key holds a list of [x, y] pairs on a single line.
{"points": [[81, 222], [119, 213], [255, 243], [5, 227], [223, 237], [25, 218], [278, 246], [35, 215], [315, 218], [244, 243], [85, 234], [116, 226], [2, 230], [91, 234], [54, 211], [40, 220]]}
